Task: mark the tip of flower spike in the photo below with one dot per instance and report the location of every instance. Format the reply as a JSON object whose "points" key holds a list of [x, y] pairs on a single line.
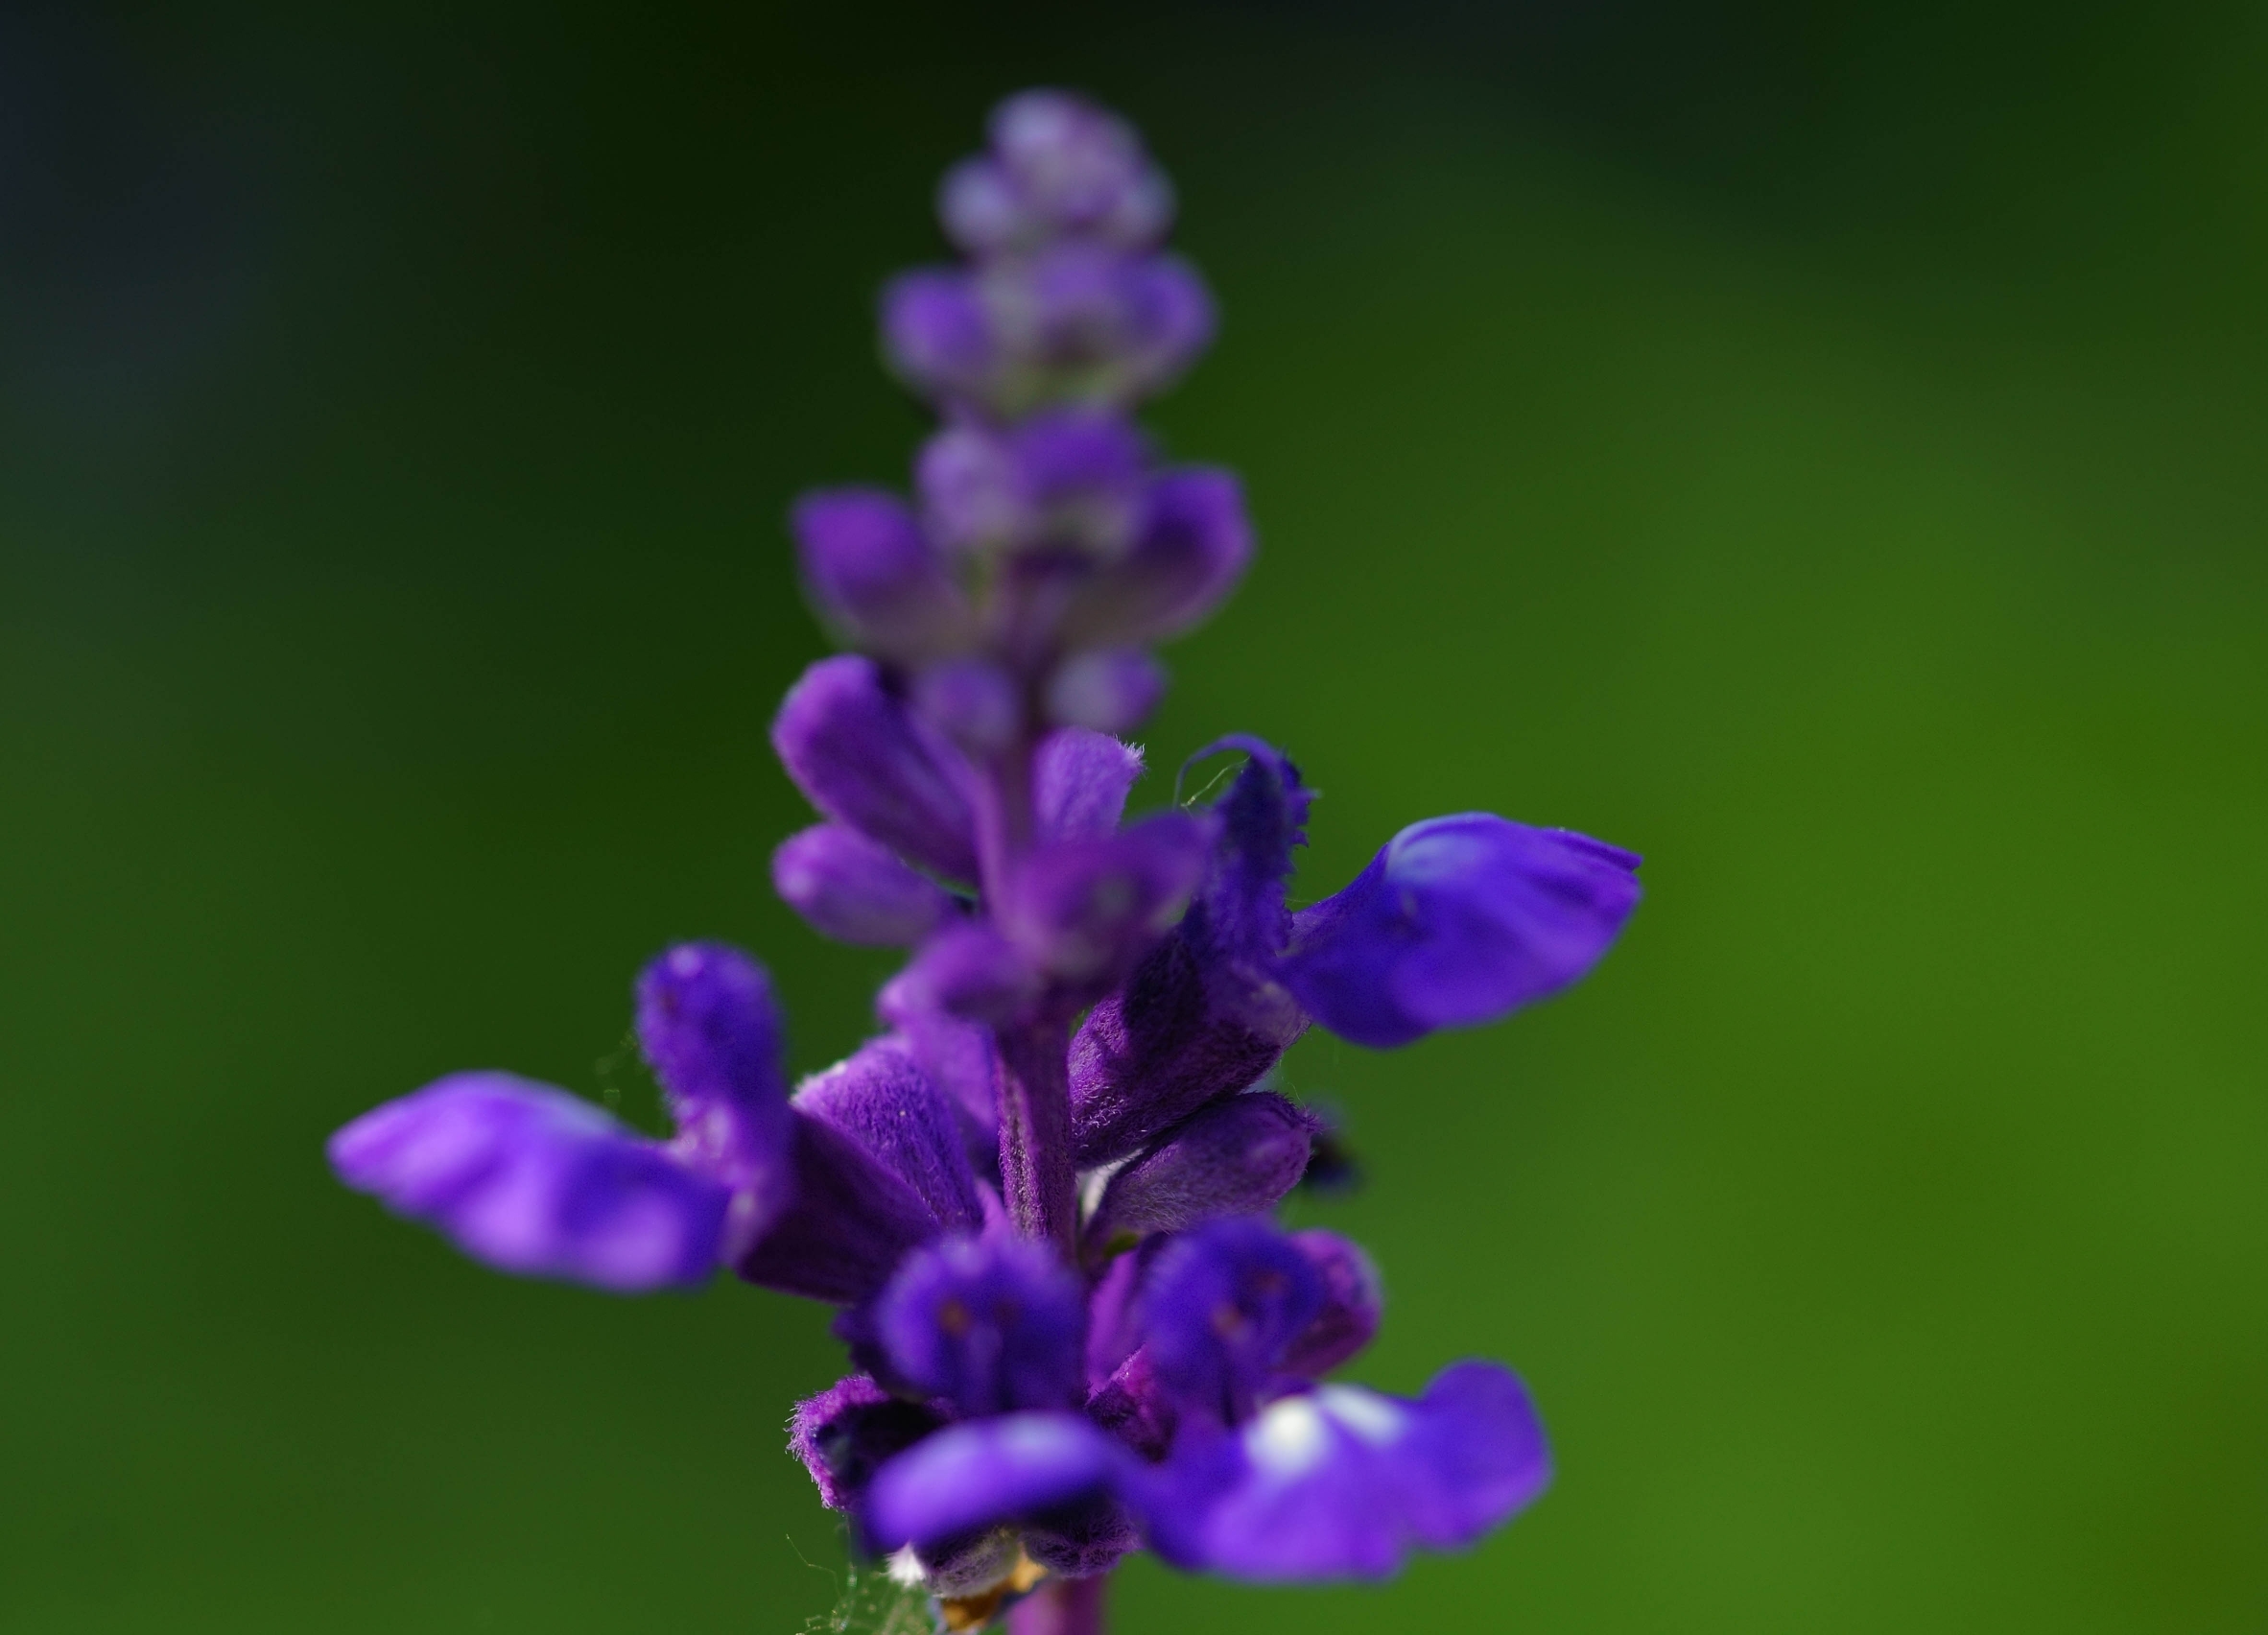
{"points": [[1058, 165]]}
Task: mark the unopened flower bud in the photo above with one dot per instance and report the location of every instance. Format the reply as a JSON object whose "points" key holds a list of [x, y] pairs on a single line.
{"points": [[971, 700], [1086, 911], [874, 576], [1194, 546], [1112, 690], [863, 760], [1236, 1158], [855, 889]]}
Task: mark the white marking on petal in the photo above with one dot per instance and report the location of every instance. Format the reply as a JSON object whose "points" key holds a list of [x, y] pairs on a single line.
{"points": [[1375, 1419], [1288, 1439], [1033, 1437]]}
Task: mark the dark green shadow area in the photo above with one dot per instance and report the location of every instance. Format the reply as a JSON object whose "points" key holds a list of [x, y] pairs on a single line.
{"points": [[1822, 453]]}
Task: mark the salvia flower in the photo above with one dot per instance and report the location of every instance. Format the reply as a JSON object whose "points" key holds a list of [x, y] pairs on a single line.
{"points": [[1040, 1203]]}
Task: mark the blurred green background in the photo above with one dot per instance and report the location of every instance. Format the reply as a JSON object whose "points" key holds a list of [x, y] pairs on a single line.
{"points": [[1823, 449]]}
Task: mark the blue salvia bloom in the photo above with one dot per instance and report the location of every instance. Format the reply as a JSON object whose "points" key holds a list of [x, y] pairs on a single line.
{"points": [[1040, 1202]]}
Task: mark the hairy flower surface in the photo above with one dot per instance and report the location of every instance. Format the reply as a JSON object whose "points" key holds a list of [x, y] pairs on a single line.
{"points": [[1040, 1202]]}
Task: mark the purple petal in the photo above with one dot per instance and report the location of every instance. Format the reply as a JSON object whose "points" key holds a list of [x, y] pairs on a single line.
{"points": [[1457, 921], [989, 1324], [1086, 911], [1219, 1308], [529, 1179], [874, 576], [1239, 924], [986, 1472], [1080, 781], [1340, 1482], [854, 889], [846, 1227], [1354, 1300], [883, 1101], [708, 1025], [1114, 1314], [849, 1430], [862, 759], [1194, 546], [1235, 1157]]}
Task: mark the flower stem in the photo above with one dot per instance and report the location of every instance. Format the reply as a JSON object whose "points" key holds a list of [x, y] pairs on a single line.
{"points": [[1033, 1054], [1061, 1606]]}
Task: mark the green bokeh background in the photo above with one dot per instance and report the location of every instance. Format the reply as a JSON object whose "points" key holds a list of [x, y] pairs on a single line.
{"points": [[1825, 450]]}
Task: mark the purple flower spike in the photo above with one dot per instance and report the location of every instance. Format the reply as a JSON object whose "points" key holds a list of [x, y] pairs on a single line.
{"points": [[1236, 1158], [1457, 921], [1073, 1324], [1222, 1304], [991, 1471], [1194, 547], [1354, 1300], [862, 759], [533, 1180], [989, 1324], [849, 1430], [854, 889], [1085, 912], [1340, 1482], [874, 576], [1112, 691]]}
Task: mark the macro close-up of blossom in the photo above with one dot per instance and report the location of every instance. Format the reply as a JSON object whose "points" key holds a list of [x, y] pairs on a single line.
{"points": [[1040, 1200]]}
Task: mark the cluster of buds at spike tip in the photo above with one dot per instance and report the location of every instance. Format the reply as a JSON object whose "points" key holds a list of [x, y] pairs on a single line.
{"points": [[1044, 549], [1040, 1200]]}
